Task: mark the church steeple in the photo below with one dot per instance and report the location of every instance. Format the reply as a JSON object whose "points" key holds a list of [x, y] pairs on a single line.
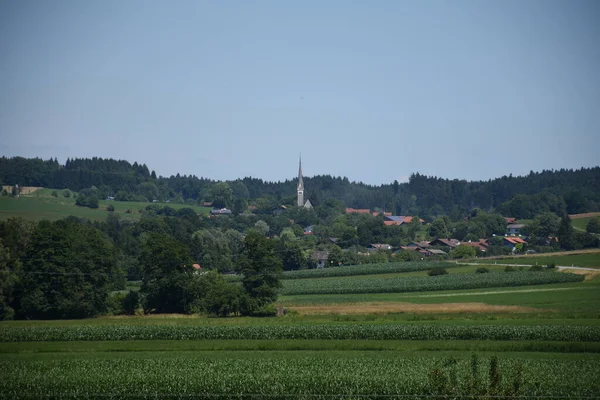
{"points": [[300, 185]]}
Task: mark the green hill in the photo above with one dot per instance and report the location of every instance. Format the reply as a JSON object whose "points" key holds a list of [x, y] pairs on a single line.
{"points": [[42, 205]]}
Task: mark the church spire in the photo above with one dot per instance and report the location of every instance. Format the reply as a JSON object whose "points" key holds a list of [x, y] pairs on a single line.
{"points": [[300, 184]]}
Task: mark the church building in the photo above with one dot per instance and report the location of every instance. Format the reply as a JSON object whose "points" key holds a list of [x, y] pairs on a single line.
{"points": [[300, 190]]}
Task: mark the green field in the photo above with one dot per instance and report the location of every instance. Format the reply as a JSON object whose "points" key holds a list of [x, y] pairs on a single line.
{"points": [[580, 223], [291, 374], [41, 205], [512, 334], [584, 259]]}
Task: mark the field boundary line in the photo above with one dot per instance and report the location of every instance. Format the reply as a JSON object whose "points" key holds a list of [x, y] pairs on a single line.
{"points": [[501, 292]]}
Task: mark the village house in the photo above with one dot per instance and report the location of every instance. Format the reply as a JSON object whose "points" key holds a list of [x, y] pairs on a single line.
{"points": [[357, 210], [514, 229], [320, 257], [481, 244], [221, 211], [378, 246], [512, 242], [452, 243]]}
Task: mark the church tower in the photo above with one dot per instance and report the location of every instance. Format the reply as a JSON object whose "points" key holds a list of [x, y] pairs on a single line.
{"points": [[300, 185]]}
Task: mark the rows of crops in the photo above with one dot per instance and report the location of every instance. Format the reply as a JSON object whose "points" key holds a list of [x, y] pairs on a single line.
{"points": [[362, 269], [299, 375], [366, 269], [426, 283], [325, 331]]}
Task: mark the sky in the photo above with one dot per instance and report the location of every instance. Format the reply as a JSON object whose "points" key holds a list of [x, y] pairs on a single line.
{"points": [[373, 91]]}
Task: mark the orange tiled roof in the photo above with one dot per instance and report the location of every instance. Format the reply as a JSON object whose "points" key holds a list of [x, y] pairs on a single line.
{"points": [[515, 240], [358, 210]]}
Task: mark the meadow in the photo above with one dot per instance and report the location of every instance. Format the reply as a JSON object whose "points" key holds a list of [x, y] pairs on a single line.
{"points": [[549, 346], [42, 205]]}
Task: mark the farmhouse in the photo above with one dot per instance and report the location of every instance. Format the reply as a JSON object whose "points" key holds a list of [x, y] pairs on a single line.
{"points": [[320, 257], [514, 229], [512, 242], [452, 243], [379, 246]]}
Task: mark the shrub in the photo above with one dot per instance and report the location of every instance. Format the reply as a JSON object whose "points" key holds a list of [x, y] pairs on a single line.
{"points": [[437, 271], [536, 268], [510, 269], [482, 270], [115, 304], [54, 193], [268, 310], [66, 193], [110, 208]]}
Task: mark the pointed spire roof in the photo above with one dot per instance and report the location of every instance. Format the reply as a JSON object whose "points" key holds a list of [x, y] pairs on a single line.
{"points": [[300, 180]]}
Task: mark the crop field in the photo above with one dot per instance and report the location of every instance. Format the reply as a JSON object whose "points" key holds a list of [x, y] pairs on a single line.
{"points": [[425, 283], [295, 375], [387, 334], [41, 205], [360, 270]]}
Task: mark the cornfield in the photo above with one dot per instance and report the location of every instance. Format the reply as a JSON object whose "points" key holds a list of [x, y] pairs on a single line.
{"points": [[326, 331], [301, 375], [425, 283]]}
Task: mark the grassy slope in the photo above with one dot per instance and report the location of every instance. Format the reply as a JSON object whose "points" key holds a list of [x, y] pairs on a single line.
{"points": [[41, 205], [580, 223]]}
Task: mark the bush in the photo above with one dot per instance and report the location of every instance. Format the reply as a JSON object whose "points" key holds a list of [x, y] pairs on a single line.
{"points": [[536, 268], [115, 304], [54, 193], [510, 269], [268, 310], [110, 208], [437, 272], [594, 225], [551, 265], [482, 270], [66, 193], [90, 201]]}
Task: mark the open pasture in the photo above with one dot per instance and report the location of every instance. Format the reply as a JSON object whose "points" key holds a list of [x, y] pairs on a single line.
{"points": [[42, 205]]}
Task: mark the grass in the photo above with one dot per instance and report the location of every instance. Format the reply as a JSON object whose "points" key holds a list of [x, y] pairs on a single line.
{"points": [[580, 223], [588, 259], [42, 205], [567, 299]]}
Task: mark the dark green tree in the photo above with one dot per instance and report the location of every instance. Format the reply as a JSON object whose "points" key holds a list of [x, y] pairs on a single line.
{"points": [[261, 269], [167, 276], [593, 225], [67, 271], [565, 234], [440, 228], [9, 280]]}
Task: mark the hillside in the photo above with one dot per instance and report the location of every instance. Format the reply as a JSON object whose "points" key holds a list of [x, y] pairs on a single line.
{"points": [[40, 204], [523, 197]]}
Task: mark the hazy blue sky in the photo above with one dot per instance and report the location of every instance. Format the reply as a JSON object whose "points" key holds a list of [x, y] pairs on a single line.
{"points": [[371, 90]]}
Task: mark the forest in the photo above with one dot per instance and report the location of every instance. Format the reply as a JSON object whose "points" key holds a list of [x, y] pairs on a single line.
{"points": [[559, 191]]}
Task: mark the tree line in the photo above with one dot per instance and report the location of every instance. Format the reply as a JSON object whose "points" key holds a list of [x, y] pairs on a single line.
{"points": [[559, 191], [74, 268]]}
